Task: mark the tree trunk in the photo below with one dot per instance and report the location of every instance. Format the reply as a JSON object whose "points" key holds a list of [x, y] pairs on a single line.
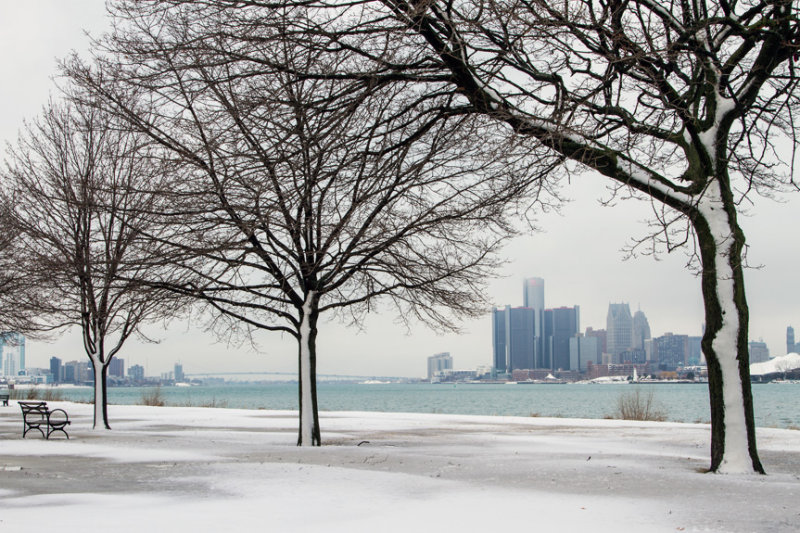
{"points": [[725, 341], [309, 415], [100, 394]]}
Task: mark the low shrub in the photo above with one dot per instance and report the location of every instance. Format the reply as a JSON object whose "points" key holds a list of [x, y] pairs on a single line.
{"points": [[634, 405]]}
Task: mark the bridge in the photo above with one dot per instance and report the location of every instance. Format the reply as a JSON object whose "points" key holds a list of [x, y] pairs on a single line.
{"points": [[292, 375]]}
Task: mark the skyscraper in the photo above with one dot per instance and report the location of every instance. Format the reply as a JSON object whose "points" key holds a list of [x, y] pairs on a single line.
{"points": [[671, 351], [641, 330], [619, 330], [520, 338], [562, 324], [533, 298], [791, 347], [499, 339], [513, 338], [55, 369]]}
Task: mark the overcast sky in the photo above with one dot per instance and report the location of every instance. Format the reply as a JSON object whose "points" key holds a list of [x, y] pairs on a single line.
{"points": [[577, 253]]}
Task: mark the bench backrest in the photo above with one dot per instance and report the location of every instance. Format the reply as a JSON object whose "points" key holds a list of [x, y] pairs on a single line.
{"points": [[33, 407]]}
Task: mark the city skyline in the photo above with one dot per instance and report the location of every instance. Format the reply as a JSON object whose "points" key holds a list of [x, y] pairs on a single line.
{"points": [[577, 253]]}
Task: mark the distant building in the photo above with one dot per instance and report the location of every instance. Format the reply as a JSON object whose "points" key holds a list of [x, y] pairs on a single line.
{"points": [[671, 351], [561, 324], [513, 331], [55, 370], [136, 373], [582, 351], [759, 352], [12, 353], [640, 332], [77, 372], [116, 368], [619, 330], [695, 351], [533, 298], [791, 347], [437, 363], [179, 376], [600, 335]]}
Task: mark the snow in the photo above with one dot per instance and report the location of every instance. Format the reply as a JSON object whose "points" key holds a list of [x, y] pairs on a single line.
{"points": [[736, 458], [201, 469], [306, 405], [782, 363]]}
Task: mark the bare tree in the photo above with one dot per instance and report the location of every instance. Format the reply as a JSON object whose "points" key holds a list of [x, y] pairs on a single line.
{"points": [[684, 103], [297, 198], [80, 190]]}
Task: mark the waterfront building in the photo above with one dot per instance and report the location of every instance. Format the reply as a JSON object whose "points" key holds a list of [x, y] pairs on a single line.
{"points": [[561, 324], [136, 373], [791, 347], [671, 351], [12, 353], [582, 351], [499, 340], [619, 330], [179, 375], [55, 370], [533, 298], [641, 330], [696, 351], [759, 352], [520, 338], [437, 364], [116, 368], [600, 335]]}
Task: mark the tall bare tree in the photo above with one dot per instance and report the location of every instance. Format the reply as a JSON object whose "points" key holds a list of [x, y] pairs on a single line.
{"points": [[297, 198], [684, 102], [80, 192]]}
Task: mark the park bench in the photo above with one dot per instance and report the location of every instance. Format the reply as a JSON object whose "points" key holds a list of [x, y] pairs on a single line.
{"points": [[36, 415], [4, 396]]}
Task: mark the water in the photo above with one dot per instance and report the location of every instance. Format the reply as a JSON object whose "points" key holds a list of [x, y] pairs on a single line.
{"points": [[776, 405]]}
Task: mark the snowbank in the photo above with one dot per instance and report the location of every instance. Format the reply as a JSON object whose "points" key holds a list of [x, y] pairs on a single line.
{"points": [[782, 363], [196, 469]]}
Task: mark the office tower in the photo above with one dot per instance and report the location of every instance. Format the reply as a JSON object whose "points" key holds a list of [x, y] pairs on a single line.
{"points": [[582, 350], [600, 334], [641, 330], [561, 324], [695, 351], [791, 347], [436, 363], [55, 369], [12, 352], [499, 340], [619, 330], [670, 351], [759, 352], [116, 368], [520, 338], [533, 298], [136, 373], [179, 376], [514, 342]]}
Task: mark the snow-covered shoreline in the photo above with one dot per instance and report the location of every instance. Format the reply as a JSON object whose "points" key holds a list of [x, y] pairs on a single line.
{"points": [[201, 469]]}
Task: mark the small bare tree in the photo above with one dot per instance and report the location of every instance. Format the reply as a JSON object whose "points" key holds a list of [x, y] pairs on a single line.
{"points": [[80, 190], [295, 197]]}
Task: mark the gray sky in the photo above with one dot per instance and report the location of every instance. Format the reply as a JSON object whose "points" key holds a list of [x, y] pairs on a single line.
{"points": [[577, 253]]}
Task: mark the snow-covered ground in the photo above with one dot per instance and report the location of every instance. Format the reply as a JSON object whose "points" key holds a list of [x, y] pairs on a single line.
{"points": [[199, 469]]}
